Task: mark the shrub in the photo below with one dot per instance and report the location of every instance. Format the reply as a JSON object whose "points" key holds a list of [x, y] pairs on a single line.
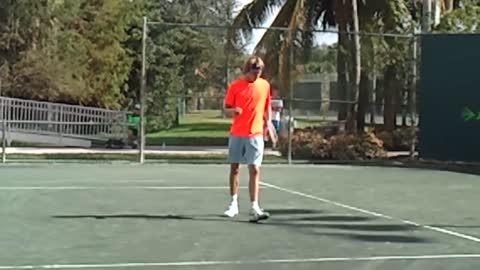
{"points": [[356, 147], [398, 140], [313, 145], [306, 145]]}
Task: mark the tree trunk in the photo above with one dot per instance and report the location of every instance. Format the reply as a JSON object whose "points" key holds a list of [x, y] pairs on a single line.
{"points": [[363, 97], [412, 90], [404, 116], [448, 5], [379, 96], [400, 101], [372, 89], [285, 70], [342, 75], [389, 99], [356, 72], [411, 103], [372, 86]]}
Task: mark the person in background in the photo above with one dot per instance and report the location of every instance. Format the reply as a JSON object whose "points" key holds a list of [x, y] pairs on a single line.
{"points": [[277, 108], [133, 120]]}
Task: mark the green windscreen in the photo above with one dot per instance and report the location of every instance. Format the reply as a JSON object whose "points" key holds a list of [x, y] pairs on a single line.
{"points": [[450, 97]]}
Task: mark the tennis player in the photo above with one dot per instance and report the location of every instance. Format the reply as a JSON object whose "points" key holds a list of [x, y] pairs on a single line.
{"points": [[248, 102]]}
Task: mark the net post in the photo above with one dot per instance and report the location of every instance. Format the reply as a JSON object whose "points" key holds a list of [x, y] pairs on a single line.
{"points": [[142, 94]]}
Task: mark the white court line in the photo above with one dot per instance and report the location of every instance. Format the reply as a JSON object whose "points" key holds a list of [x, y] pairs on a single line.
{"points": [[266, 261], [115, 187], [99, 181], [457, 234]]}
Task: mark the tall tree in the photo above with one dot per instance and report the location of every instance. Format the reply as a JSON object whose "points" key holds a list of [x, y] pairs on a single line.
{"points": [[65, 51], [356, 64], [299, 17], [464, 19], [183, 61], [302, 17]]}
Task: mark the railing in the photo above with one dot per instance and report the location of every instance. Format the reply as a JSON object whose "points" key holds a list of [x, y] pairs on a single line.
{"points": [[61, 119]]}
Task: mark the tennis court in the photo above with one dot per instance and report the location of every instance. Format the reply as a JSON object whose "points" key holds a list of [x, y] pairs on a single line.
{"points": [[165, 216]]}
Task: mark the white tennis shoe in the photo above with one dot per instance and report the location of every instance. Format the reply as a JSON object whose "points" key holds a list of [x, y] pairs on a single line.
{"points": [[232, 210]]}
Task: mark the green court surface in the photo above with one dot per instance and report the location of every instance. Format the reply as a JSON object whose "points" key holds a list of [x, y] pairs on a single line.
{"points": [[128, 216]]}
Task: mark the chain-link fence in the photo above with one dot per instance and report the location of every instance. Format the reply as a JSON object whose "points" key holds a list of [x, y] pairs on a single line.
{"points": [[337, 118], [332, 115]]}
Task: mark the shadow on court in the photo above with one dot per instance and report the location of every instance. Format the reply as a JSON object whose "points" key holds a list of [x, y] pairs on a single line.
{"points": [[277, 212], [305, 221], [123, 216], [382, 238]]}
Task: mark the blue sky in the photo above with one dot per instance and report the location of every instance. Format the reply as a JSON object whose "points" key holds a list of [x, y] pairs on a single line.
{"points": [[325, 38]]}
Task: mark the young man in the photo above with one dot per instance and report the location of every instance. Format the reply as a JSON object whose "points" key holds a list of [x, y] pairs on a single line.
{"points": [[248, 102]]}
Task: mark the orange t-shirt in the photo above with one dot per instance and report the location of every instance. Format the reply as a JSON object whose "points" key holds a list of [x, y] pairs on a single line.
{"points": [[254, 99]]}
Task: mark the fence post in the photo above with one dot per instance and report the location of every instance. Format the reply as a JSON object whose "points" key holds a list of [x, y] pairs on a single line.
{"points": [[4, 127], [427, 16], [290, 103], [4, 139], [60, 125], [413, 94], [142, 94]]}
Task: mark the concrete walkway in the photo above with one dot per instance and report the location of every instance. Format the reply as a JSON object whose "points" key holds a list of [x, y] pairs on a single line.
{"points": [[158, 150], [169, 150]]}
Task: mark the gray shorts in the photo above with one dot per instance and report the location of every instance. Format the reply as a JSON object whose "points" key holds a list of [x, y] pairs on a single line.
{"points": [[246, 150]]}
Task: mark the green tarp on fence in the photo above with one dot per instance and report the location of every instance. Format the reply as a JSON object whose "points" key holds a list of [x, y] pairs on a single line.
{"points": [[450, 97]]}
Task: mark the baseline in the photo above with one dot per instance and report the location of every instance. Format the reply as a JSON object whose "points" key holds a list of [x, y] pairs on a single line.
{"points": [[266, 261]]}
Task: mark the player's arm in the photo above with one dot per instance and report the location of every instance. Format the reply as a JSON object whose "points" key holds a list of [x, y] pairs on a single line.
{"points": [[229, 104], [268, 120], [268, 108]]}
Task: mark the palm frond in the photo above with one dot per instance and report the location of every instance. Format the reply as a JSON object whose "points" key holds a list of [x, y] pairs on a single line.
{"points": [[327, 12], [285, 65], [315, 11], [373, 8], [301, 16], [269, 45], [252, 15], [271, 37]]}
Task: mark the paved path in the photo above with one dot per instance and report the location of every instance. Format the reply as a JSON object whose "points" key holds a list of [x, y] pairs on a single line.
{"points": [[169, 150], [159, 150]]}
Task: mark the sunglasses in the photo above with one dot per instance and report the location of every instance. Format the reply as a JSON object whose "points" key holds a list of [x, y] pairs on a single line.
{"points": [[255, 68]]}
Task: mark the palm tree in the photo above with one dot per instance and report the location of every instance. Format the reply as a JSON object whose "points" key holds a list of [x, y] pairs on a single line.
{"points": [[357, 69], [299, 16]]}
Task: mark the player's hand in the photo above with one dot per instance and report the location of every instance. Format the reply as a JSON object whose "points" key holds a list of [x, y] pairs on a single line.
{"points": [[234, 111], [272, 133], [238, 111]]}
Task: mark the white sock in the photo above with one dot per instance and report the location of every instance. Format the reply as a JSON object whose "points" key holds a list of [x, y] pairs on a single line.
{"points": [[234, 198], [255, 205]]}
